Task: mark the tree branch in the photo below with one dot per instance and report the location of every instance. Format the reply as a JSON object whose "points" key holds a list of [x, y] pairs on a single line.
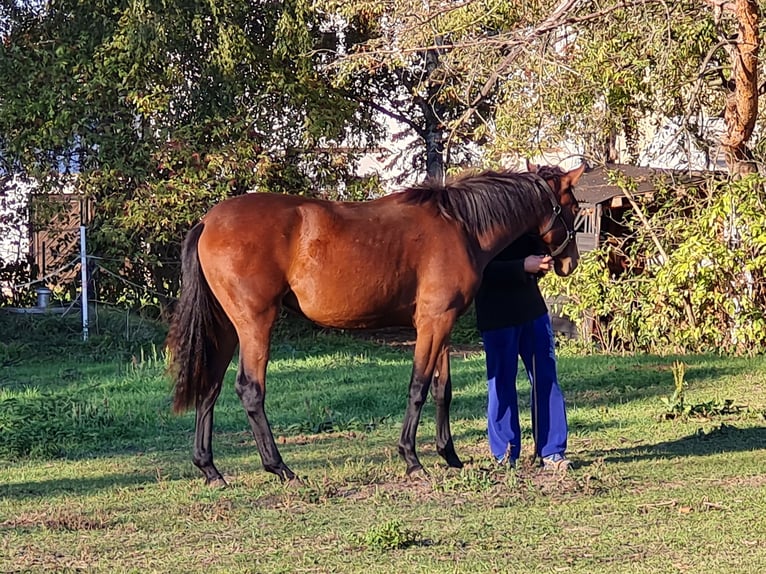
{"points": [[393, 115]]}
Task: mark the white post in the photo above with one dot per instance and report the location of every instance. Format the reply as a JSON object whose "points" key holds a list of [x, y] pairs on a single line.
{"points": [[84, 279]]}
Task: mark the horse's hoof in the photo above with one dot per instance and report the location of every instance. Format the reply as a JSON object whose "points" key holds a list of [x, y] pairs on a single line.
{"points": [[454, 462], [217, 483], [417, 473], [294, 481], [450, 457]]}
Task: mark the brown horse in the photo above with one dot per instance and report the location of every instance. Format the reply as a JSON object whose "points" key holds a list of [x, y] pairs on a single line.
{"points": [[413, 258]]}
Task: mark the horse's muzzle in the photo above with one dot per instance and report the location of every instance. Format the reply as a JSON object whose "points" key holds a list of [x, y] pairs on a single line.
{"points": [[564, 266]]}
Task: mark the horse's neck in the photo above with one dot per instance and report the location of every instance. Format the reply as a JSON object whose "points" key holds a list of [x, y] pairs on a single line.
{"points": [[493, 243]]}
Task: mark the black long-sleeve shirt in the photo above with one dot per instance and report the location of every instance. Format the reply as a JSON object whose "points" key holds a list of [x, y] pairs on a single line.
{"points": [[508, 295]]}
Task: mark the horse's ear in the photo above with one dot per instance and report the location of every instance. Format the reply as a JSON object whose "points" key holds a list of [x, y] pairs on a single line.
{"points": [[531, 167], [573, 176]]}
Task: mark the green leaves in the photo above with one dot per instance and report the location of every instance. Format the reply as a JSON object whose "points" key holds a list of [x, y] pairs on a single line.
{"points": [[389, 535], [708, 297], [169, 108]]}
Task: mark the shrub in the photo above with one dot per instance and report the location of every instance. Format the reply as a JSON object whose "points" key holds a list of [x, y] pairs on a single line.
{"points": [[389, 535], [708, 296]]}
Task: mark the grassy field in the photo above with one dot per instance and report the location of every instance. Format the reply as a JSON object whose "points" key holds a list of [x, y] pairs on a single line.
{"points": [[96, 473]]}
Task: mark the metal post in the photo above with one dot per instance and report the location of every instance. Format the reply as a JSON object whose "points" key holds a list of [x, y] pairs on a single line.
{"points": [[84, 287]]}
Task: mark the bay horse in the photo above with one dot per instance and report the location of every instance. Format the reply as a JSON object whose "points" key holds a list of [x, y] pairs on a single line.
{"points": [[414, 258]]}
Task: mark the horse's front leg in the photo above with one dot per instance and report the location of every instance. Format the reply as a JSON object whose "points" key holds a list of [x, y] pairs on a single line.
{"points": [[441, 389], [431, 338]]}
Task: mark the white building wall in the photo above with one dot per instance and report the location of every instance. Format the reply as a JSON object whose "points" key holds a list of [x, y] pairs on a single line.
{"points": [[14, 219]]}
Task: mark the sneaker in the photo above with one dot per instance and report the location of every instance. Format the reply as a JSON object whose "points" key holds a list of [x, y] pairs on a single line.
{"points": [[505, 461], [556, 462]]}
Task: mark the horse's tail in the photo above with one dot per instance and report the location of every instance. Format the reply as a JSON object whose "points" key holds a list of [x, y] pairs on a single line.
{"points": [[197, 323]]}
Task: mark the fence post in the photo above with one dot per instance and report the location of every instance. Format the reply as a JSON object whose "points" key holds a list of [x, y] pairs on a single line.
{"points": [[84, 285]]}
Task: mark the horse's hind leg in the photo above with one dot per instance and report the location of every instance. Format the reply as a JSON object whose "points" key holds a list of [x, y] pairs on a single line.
{"points": [[203, 430], [441, 390], [251, 389]]}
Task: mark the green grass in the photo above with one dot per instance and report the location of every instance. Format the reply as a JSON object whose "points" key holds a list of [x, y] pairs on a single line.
{"points": [[96, 474]]}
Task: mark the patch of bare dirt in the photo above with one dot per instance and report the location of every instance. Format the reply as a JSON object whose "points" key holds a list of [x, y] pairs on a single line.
{"points": [[58, 520]]}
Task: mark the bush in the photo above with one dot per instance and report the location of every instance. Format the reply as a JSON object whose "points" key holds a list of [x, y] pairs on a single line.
{"points": [[708, 296]]}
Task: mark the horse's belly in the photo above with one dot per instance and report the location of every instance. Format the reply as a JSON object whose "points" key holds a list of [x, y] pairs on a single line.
{"points": [[354, 303]]}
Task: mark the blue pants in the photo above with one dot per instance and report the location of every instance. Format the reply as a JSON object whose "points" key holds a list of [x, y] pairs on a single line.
{"points": [[534, 342]]}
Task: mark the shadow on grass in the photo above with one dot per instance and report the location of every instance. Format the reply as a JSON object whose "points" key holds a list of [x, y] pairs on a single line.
{"points": [[371, 388], [587, 381], [603, 380], [69, 486], [721, 439]]}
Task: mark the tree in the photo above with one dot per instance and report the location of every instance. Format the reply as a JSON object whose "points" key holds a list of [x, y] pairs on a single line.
{"points": [[405, 77], [165, 109], [526, 76]]}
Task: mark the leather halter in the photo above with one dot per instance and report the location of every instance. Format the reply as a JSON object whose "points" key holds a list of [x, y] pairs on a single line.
{"points": [[552, 220]]}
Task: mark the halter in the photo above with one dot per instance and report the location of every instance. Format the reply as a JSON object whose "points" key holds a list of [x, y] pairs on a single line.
{"points": [[540, 182]]}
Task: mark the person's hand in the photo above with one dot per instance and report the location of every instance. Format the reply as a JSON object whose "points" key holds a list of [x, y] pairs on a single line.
{"points": [[538, 264]]}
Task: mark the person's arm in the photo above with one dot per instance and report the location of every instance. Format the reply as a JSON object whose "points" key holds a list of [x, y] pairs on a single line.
{"points": [[509, 272], [517, 271]]}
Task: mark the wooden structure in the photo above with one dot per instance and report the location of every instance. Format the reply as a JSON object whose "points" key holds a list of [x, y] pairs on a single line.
{"points": [[603, 203], [55, 231]]}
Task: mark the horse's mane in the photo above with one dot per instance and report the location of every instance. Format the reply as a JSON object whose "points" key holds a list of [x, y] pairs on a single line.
{"points": [[485, 199]]}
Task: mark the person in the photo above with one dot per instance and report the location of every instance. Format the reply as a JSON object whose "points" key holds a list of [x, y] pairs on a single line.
{"points": [[513, 320]]}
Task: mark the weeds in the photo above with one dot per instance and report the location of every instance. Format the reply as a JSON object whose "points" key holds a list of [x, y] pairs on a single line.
{"points": [[389, 535], [467, 480], [39, 426], [677, 406], [153, 360]]}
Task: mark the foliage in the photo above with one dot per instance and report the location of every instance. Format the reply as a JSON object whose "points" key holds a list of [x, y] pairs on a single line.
{"points": [[710, 295], [521, 78], [410, 75], [389, 535], [165, 109], [616, 73], [20, 266]]}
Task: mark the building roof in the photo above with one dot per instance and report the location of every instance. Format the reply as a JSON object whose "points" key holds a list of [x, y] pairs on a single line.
{"points": [[595, 185]]}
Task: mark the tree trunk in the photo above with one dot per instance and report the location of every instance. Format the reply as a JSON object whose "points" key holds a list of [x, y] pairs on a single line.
{"points": [[433, 132], [434, 150], [742, 100]]}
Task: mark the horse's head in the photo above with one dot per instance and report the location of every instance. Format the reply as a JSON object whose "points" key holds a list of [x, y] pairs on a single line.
{"points": [[558, 230]]}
